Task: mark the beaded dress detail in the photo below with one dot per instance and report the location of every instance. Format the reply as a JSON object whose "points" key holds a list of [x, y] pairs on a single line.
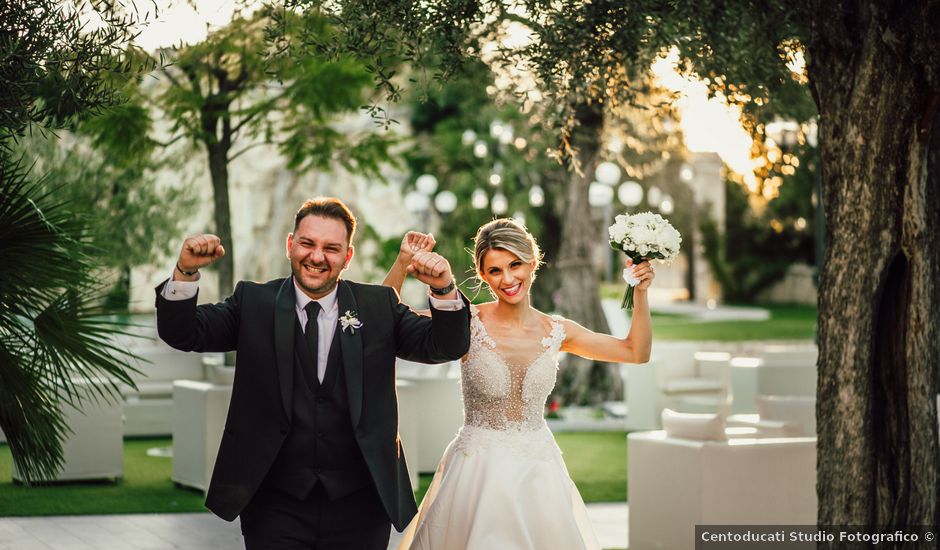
{"points": [[502, 482]]}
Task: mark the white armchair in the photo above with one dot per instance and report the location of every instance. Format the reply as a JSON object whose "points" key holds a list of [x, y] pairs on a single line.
{"points": [[148, 411], [788, 370], [794, 409], [676, 483], [774, 370], [679, 377], [199, 414]]}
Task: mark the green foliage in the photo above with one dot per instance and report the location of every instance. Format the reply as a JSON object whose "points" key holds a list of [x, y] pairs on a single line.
{"points": [[55, 69], [235, 86], [757, 249], [578, 52], [233, 92], [121, 133], [51, 330], [107, 191], [440, 118], [58, 70]]}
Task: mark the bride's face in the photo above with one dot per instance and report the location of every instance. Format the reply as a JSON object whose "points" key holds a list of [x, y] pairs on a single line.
{"points": [[507, 275]]}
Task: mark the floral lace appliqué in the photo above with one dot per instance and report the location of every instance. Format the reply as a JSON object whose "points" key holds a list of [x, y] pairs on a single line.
{"points": [[537, 444]]}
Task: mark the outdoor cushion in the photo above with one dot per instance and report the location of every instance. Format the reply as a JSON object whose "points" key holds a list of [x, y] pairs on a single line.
{"points": [[700, 427]]}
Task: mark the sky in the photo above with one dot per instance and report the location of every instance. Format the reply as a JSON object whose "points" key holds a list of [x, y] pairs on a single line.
{"points": [[178, 21]]}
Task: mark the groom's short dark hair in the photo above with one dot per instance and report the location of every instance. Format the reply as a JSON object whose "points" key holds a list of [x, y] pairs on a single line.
{"points": [[328, 207]]}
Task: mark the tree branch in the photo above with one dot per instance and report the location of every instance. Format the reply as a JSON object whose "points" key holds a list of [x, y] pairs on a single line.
{"points": [[167, 143], [248, 148], [170, 76], [262, 108]]}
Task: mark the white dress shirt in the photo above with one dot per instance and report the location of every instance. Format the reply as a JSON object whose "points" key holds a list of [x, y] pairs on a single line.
{"points": [[327, 319]]}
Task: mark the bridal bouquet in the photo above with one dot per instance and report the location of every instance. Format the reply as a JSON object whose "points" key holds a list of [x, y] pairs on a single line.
{"points": [[642, 236]]}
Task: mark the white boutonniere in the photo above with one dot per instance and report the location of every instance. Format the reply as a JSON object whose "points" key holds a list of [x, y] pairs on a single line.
{"points": [[350, 321]]}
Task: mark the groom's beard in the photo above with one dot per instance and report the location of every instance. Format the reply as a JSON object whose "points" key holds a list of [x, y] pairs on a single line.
{"points": [[322, 287]]}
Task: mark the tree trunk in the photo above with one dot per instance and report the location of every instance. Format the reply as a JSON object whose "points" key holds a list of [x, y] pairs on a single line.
{"points": [[879, 297], [583, 381], [218, 170]]}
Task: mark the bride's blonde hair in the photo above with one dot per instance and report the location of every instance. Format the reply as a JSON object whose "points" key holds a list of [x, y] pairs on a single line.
{"points": [[509, 235]]}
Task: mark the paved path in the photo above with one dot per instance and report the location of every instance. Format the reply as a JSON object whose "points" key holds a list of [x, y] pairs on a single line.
{"points": [[196, 531]]}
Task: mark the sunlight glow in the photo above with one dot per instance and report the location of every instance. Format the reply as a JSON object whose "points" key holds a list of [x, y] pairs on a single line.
{"points": [[709, 125], [180, 22], [511, 78]]}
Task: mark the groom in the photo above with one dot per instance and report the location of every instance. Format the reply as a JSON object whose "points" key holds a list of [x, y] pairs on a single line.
{"points": [[310, 456]]}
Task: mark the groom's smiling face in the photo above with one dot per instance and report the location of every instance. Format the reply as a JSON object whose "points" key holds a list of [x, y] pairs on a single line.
{"points": [[319, 251]]}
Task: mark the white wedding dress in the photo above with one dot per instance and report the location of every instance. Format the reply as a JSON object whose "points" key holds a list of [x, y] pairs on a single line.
{"points": [[502, 484]]}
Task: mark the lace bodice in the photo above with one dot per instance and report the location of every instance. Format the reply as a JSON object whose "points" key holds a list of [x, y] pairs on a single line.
{"points": [[500, 395]]}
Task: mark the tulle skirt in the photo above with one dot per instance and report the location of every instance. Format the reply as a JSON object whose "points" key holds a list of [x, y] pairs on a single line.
{"points": [[503, 490]]}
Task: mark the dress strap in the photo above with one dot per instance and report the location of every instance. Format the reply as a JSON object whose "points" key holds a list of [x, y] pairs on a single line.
{"points": [[557, 336], [478, 329]]}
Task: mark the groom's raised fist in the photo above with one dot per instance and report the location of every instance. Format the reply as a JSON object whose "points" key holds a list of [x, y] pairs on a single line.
{"points": [[431, 269], [199, 251]]}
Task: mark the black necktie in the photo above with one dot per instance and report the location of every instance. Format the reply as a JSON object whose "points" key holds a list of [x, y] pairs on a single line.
{"points": [[311, 332]]}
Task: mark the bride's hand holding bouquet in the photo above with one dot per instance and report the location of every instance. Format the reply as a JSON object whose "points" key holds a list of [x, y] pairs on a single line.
{"points": [[642, 237]]}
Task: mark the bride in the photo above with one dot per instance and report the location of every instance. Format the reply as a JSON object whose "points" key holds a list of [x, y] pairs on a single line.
{"points": [[502, 482]]}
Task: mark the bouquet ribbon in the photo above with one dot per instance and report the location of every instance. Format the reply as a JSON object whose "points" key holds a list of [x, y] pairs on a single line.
{"points": [[629, 277]]}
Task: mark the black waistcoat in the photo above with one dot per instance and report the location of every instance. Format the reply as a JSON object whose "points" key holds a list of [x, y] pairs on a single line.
{"points": [[320, 447]]}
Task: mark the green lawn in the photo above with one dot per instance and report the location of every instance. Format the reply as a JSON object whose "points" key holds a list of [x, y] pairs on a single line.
{"points": [[596, 462], [145, 488], [787, 322]]}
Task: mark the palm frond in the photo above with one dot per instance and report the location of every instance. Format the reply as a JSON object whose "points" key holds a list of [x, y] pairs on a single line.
{"points": [[53, 330]]}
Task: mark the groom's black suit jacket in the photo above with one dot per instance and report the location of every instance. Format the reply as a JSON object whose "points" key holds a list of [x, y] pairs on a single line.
{"points": [[258, 321]]}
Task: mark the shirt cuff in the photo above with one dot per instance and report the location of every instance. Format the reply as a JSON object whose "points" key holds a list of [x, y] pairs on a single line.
{"points": [[180, 290], [446, 305]]}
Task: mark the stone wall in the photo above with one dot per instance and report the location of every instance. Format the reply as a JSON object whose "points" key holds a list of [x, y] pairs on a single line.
{"points": [[797, 287]]}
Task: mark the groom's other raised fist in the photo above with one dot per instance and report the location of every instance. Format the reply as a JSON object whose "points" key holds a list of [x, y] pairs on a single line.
{"points": [[198, 251], [433, 270]]}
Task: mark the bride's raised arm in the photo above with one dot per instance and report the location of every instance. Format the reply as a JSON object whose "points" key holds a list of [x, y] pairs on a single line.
{"points": [[635, 348]]}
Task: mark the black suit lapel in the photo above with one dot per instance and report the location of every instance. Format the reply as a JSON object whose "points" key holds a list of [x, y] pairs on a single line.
{"points": [[285, 317], [351, 342]]}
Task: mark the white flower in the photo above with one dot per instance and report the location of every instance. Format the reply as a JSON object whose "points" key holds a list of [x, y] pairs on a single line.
{"points": [[645, 234], [350, 321]]}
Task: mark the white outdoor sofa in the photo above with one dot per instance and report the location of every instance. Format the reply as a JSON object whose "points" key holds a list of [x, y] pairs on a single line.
{"points": [[148, 410], [94, 448], [706, 474]]}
